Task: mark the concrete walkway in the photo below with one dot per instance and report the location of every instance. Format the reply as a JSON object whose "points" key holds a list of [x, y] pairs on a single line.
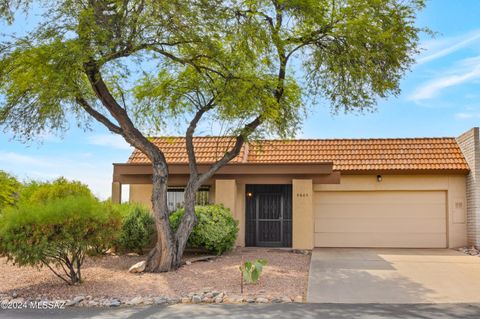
{"points": [[249, 311], [393, 276]]}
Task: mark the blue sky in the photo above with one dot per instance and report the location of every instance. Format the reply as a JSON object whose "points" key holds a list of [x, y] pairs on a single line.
{"points": [[440, 97]]}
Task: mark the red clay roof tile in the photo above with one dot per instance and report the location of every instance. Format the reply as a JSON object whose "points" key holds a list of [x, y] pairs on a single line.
{"points": [[402, 154]]}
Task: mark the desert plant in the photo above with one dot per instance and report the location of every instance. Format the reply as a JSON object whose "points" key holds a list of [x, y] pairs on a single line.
{"points": [[9, 187], [138, 228], [251, 270], [41, 192], [216, 230], [57, 234]]}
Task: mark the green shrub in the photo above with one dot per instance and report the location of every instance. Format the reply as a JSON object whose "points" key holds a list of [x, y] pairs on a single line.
{"points": [[216, 230], [57, 234], [41, 192], [138, 228], [9, 188]]}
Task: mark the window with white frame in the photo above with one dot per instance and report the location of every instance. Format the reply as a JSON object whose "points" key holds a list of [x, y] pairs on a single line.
{"points": [[175, 197]]}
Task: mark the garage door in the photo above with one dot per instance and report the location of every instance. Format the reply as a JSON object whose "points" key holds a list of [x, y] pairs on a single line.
{"points": [[380, 219]]}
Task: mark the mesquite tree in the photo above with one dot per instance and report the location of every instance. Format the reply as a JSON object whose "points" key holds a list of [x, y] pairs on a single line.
{"points": [[140, 67]]}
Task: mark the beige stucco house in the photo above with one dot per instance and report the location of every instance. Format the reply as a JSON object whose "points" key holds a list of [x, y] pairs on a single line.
{"points": [[402, 192]]}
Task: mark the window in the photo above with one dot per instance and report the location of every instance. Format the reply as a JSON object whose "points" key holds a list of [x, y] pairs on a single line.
{"points": [[175, 197]]}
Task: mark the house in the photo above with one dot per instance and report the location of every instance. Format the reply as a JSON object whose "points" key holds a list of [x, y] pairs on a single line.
{"points": [[305, 193]]}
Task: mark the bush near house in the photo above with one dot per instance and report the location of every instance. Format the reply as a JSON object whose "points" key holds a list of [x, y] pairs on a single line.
{"points": [[138, 228], [57, 233], [216, 230]]}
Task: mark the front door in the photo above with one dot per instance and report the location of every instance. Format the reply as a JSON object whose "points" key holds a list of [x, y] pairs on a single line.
{"points": [[268, 215]]}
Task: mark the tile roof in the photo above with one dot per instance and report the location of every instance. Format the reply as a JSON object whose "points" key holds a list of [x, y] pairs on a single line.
{"points": [[347, 155]]}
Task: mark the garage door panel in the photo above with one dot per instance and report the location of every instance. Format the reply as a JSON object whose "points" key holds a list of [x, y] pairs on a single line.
{"points": [[380, 219], [352, 210], [382, 197], [424, 240], [388, 225]]}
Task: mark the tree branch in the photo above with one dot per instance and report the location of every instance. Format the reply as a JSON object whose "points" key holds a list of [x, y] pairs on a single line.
{"points": [[245, 132], [131, 134], [98, 116], [192, 160]]}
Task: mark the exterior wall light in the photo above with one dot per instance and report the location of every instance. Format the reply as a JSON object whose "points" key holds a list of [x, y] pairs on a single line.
{"points": [[249, 194], [379, 178]]}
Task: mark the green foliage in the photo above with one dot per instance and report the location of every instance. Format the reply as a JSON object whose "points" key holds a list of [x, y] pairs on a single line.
{"points": [[57, 233], [251, 271], [163, 60], [42, 192], [216, 230], [9, 188], [138, 228]]}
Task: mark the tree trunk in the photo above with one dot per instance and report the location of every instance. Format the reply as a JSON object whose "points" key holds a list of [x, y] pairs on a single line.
{"points": [[162, 257], [189, 220]]}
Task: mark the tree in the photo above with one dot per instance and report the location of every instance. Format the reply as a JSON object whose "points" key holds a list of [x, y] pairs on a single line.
{"points": [[9, 188], [136, 65]]}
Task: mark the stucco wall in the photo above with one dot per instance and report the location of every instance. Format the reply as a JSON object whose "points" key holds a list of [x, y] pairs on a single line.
{"points": [[141, 193], [453, 185]]}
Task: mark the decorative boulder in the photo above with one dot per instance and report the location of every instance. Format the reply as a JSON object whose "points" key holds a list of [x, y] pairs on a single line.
{"points": [[138, 267]]}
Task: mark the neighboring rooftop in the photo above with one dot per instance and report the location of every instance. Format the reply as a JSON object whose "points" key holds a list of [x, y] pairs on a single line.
{"points": [[347, 155]]}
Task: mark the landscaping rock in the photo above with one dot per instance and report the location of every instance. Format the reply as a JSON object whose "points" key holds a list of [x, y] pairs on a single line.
{"points": [[14, 295], [135, 301], [173, 300], [75, 301], [196, 299], [138, 267], [250, 300], [215, 293], [235, 299], [218, 299], [209, 295], [207, 300], [261, 300], [148, 301], [186, 300], [159, 300], [298, 299], [286, 299], [113, 303]]}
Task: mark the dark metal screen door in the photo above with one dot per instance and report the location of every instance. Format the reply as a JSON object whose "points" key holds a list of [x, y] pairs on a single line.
{"points": [[268, 215]]}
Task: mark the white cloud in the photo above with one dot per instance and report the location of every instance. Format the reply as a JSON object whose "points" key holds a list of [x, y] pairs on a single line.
{"points": [[12, 157], [109, 140], [437, 48], [466, 70], [467, 115]]}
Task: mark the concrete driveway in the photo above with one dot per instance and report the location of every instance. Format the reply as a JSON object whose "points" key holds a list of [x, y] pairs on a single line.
{"points": [[397, 276]]}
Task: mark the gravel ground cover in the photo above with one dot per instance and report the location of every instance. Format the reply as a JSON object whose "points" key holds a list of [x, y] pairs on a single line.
{"points": [[285, 277]]}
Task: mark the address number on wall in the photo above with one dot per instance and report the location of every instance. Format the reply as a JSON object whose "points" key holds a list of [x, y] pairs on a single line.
{"points": [[302, 194]]}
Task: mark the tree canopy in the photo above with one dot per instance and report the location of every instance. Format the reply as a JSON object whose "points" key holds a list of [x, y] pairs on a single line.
{"points": [[162, 60]]}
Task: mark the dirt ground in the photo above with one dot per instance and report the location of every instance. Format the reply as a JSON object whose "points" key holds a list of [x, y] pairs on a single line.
{"points": [[285, 275]]}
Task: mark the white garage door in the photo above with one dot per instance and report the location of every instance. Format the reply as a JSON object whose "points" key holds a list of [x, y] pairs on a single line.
{"points": [[380, 219]]}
